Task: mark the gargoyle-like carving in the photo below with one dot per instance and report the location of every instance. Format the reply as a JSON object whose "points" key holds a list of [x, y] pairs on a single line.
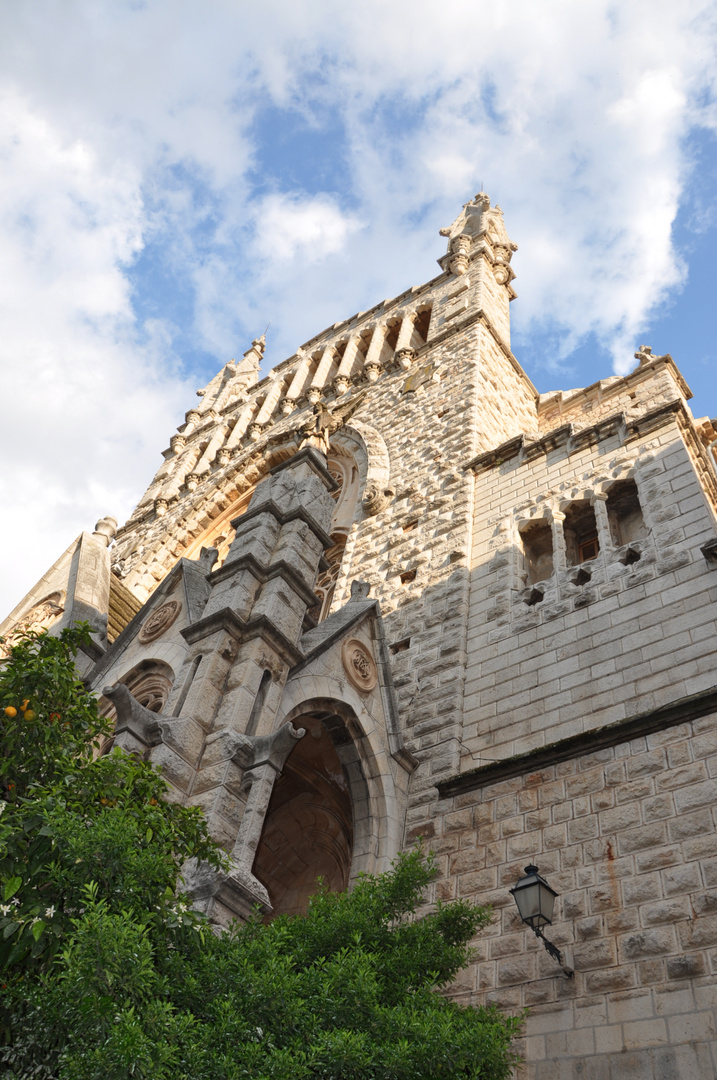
{"points": [[252, 751], [207, 557], [133, 717]]}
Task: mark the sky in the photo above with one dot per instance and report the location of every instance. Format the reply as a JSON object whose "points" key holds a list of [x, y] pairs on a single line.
{"points": [[176, 175]]}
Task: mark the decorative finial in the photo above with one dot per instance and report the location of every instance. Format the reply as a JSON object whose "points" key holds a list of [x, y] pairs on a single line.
{"points": [[105, 530]]}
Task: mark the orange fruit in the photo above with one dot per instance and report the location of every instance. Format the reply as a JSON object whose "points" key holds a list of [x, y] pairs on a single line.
{"points": [[11, 711], [29, 715], [152, 802], [25, 703]]}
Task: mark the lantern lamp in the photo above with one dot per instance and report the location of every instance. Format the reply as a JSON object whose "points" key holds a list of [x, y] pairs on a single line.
{"points": [[536, 903]]}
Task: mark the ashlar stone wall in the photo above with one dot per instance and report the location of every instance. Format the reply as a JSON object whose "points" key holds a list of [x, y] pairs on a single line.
{"points": [[633, 636], [627, 836]]}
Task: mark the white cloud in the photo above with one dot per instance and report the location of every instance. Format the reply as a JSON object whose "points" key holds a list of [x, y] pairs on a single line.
{"points": [[85, 406], [288, 226], [126, 125]]}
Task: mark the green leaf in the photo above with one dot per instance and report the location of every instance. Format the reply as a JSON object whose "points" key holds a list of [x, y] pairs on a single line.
{"points": [[37, 929], [11, 887], [148, 835]]}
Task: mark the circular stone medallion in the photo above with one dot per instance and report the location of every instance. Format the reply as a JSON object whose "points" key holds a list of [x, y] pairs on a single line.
{"points": [[359, 665], [159, 621]]}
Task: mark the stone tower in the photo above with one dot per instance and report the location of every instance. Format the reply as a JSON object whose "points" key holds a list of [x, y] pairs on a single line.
{"points": [[390, 591]]}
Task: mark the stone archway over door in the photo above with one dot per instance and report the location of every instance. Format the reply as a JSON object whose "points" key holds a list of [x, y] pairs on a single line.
{"points": [[309, 829]]}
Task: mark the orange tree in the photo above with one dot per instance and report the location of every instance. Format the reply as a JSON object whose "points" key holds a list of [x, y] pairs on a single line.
{"points": [[106, 974]]}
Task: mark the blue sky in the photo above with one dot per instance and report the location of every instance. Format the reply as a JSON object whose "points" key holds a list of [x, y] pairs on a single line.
{"points": [[176, 176]]}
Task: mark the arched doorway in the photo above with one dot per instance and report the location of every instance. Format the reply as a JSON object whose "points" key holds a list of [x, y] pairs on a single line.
{"points": [[309, 829]]}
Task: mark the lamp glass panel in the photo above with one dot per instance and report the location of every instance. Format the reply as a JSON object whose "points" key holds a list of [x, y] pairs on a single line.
{"points": [[528, 901], [547, 904]]}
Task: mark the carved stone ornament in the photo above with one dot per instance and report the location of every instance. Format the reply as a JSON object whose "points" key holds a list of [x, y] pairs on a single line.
{"points": [[376, 499], [40, 617], [159, 621], [359, 665]]}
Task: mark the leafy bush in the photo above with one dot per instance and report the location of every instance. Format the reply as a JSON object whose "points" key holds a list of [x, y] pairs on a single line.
{"points": [[108, 975]]}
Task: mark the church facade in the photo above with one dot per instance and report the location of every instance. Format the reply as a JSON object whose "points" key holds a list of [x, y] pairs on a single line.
{"points": [[390, 592]]}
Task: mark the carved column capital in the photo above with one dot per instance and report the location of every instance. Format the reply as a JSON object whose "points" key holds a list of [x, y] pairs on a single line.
{"points": [[405, 357], [372, 370], [160, 507]]}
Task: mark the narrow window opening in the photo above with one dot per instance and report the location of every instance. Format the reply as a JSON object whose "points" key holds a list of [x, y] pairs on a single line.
{"points": [[410, 525], [580, 529], [392, 336], [400, 646], [630, 557], [625, 513], [408, 576], [536, 595], [422, 322], [258, 703], [187, 684], [582, 577], [537, 541]]}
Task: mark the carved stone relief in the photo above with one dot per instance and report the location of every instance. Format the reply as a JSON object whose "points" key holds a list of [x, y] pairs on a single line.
{"points": [[41, 616], [359, 665], [159, 621]]}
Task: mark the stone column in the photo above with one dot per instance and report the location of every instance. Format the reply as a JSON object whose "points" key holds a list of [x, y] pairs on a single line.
{"points": [[185, 464], [251, 625], [237, 433], [405, 355], [343, 375], [318, 382], [560, 554], [296, 387], [372, 365], [601, 520], [266, 411], [205, 462]]}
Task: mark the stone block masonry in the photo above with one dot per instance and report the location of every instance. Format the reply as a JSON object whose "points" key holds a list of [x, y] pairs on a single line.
{"points": [[627, 836]]}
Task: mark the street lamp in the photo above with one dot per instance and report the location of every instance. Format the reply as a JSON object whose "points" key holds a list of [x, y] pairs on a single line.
{"points": [[536, 902]]}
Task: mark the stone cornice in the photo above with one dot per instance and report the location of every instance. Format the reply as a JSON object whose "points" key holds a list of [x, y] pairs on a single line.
{"points": [[298, 514], [263, 574], [607, 388], [527, 449], [589, 742], [228, 621]]}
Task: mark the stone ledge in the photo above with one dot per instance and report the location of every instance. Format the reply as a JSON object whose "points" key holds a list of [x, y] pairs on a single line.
{"points": [[678, 712]]}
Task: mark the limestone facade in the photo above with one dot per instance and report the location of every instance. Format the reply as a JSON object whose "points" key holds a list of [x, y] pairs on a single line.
{"points": [[390, 591]]}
